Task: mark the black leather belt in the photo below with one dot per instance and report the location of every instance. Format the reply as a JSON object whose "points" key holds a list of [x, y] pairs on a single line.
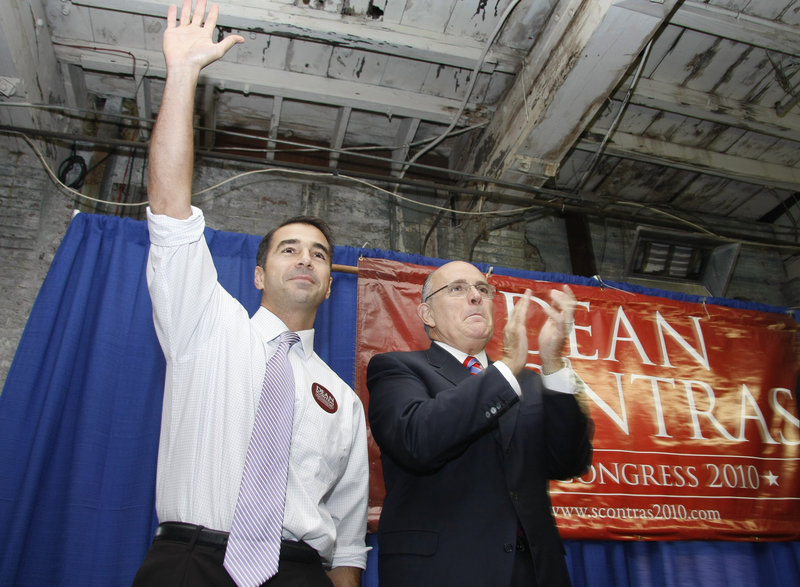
{"points": [[182, 532]]}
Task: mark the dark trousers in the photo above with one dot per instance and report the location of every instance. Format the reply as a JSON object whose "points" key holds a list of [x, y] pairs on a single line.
{"points": [[194, 562]]}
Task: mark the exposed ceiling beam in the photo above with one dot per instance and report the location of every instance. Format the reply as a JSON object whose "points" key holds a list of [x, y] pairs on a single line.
{"points": [[554, 99], [405, 136], [284, 19], [648, 150], [28, 63], [274, 123], [737, 26], [290, 85], [705, 106], [339, 131]]}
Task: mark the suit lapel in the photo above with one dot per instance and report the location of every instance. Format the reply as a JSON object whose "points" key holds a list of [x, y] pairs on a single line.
{"points": [[449, 368], [446, 364]]}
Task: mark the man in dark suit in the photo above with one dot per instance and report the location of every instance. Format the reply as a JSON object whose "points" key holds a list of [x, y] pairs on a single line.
{"points": [[467, 457]]}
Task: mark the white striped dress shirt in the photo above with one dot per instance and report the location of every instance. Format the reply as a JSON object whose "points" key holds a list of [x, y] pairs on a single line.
{"points": [[216, 359]]}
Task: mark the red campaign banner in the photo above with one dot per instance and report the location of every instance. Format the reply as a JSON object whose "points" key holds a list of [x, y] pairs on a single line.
{"points": [[697, 433]]}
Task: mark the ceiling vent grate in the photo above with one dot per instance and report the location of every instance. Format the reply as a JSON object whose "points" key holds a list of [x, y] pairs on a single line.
{"points": [[681, 261]]}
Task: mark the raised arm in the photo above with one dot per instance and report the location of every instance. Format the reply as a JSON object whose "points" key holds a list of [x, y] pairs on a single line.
{"points": [[188, 47]]}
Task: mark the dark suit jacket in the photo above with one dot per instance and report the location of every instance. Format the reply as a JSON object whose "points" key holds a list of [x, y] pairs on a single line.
{"points": [[465, 461]]}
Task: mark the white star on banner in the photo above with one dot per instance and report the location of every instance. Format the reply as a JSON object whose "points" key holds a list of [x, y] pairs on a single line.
{"points": [[772, 479]]}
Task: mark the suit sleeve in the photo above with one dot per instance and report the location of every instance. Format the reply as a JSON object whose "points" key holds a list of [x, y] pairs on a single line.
{"points": [[568, 435], [421, 419]]}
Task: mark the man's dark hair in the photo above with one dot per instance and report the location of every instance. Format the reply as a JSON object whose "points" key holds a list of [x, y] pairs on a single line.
{"points": [[318, 223]]}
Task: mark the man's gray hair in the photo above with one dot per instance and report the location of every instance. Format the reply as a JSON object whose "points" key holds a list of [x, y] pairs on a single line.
{"points": [[426, 287], [426, 290]]}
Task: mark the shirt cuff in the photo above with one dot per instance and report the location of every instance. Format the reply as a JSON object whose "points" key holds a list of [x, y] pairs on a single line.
{"points": [[506, 372], [166, 231], [563, 381], [354, 556]]}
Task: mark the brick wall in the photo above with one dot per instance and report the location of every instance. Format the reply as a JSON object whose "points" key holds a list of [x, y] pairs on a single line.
{"points": [[33, 220]]}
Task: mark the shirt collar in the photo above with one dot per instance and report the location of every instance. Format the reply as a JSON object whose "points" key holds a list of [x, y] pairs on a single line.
{"points": [[270, 327], [461, 355]]}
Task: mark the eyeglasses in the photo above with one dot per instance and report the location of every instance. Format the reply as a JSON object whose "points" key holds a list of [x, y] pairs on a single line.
{"points": [[459, 289]]}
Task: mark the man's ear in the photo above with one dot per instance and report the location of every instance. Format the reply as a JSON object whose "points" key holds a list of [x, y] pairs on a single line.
{"points": [[328, 293], [425, 314], [258, 278]]}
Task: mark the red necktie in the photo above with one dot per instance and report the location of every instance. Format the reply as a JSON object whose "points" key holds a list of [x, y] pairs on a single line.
{"points": [[473, 365]]}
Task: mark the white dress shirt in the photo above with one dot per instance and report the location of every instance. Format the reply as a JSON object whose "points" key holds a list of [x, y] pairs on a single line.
{"points": [[216, 360]]}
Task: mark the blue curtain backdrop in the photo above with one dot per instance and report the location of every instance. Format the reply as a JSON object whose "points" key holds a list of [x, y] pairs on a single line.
{"points": [[81, 407]]}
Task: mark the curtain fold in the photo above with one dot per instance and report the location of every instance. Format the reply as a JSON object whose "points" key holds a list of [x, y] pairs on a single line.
{"points": [[80, 415]]}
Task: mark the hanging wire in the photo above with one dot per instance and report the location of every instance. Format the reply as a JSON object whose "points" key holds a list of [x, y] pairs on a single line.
{"points": [[615, 122]]}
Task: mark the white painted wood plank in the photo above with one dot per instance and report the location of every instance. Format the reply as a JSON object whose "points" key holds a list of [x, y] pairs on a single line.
{"points": [[730, 199], [631, 180], [726, 139], [308, 58], [752, 30], [431, 15], [661, 49], [666, 126], [674, 68], [76, 24], [315, 120], [392, 10], [767, 9], [391, 38], [774, 92], [571, 171], [693, 133], [449, 82], [746, 114], [275, 53], [722, 56], [791, 14], [783, 152], [359, 7], [117, 28], [666, 184], [153, 32], [735, 5], [695, 195], [635, 119], [759, 203], [752, 146], [354, 65], [368, 128], [526, 23], [700, 160], [404, 74], [749, 73], [475, 19], [499, 84], [229, 75], [258, 50], [722, 196]]}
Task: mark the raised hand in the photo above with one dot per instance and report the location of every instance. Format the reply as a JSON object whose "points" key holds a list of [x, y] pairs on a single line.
{"points": [[553, 334], [189, 43], [515, 335]]}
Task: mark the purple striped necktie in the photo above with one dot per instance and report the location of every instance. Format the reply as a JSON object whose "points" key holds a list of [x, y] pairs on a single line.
{"points": [[253, 547], [473, 365]]}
